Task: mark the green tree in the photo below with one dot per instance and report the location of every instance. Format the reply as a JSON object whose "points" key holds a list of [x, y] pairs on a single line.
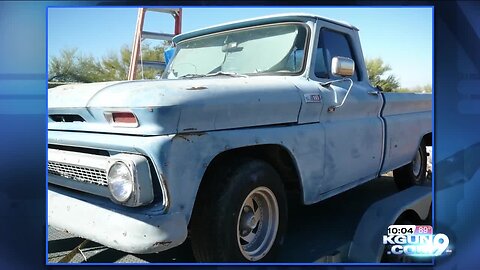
{"points": [[376, 74], [71, 66]]}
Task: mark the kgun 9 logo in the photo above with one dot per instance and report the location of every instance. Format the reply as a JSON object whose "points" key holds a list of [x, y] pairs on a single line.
{"points": [[413, 240]]}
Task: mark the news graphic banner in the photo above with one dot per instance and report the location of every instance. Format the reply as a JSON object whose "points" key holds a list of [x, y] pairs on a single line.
{"points": [[416, 241]]}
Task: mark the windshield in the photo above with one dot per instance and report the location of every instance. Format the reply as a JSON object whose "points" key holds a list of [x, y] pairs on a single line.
{"points": [[271, 49]]}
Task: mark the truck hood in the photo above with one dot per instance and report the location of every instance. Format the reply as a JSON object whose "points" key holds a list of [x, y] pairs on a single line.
{"points": [[176, 106]]}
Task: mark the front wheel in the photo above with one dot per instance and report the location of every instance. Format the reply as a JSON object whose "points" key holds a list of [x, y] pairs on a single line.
{"points": [[241, 216], [415, 172]]}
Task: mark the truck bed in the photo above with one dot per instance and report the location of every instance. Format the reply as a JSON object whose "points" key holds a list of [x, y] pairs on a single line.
{"points": [[399, 112]]}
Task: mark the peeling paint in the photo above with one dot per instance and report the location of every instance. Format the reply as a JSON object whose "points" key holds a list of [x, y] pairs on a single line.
{"points": [[163, 243], [196, 88], [185, 136], [181, 136]]}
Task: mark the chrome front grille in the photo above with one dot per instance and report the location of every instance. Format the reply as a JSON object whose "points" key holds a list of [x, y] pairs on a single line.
{"points": [[78, 173], [87, 172]]}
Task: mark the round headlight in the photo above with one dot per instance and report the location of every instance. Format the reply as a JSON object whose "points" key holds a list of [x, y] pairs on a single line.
{"points": [[120, 181]]}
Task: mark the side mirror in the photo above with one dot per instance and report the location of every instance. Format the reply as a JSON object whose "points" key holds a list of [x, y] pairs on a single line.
{"points": [[342, 66]]}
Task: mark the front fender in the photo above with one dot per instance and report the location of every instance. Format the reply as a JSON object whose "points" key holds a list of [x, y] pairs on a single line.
{"points": [[188, 156]]}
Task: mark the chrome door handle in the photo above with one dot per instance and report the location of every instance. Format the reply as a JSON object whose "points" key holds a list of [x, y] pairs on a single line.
{"points": [[374, 93]]}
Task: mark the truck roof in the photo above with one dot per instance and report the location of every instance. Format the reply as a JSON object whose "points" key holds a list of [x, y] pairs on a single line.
{"points": [[291, 17]]}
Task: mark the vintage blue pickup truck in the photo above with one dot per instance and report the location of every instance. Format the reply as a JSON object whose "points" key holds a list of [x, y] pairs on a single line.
{"points": [[244, 113]]}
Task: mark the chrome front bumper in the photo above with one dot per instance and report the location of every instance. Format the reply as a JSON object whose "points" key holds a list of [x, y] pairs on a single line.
{"points": [[131, 230]]}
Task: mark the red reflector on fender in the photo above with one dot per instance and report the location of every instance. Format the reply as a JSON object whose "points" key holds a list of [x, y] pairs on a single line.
{"points": [[121, 119], [124, 117]]}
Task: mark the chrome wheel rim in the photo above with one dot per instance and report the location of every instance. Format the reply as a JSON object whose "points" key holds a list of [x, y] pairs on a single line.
{"points": [[257, 223], [417, 163]]}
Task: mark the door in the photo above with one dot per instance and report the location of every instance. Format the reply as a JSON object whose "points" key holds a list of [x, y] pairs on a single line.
{"points": [[354, 132]]}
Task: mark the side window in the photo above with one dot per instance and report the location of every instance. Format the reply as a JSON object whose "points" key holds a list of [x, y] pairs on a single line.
{"points": [[331, 44]]}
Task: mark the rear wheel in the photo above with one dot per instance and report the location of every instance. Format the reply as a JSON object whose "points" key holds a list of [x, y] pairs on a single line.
{"points": [[415, 172], [241, 215]]}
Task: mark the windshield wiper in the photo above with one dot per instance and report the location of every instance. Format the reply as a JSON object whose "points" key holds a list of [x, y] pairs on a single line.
{"points": [[232, 74], [191, 75]]}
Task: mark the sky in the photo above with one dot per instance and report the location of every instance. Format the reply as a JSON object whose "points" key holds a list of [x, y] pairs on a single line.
{"points": [[402, 37]]}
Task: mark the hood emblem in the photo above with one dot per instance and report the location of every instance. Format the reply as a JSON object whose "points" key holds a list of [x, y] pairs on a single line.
{"points": [[197, 88]]}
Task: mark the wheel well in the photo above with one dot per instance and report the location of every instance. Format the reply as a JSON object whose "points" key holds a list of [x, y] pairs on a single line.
{"points": [[427, 138], [276, 155]]}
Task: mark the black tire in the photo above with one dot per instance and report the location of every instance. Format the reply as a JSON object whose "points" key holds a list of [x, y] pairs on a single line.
{"points": [[213, 228], [405, 176]]}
